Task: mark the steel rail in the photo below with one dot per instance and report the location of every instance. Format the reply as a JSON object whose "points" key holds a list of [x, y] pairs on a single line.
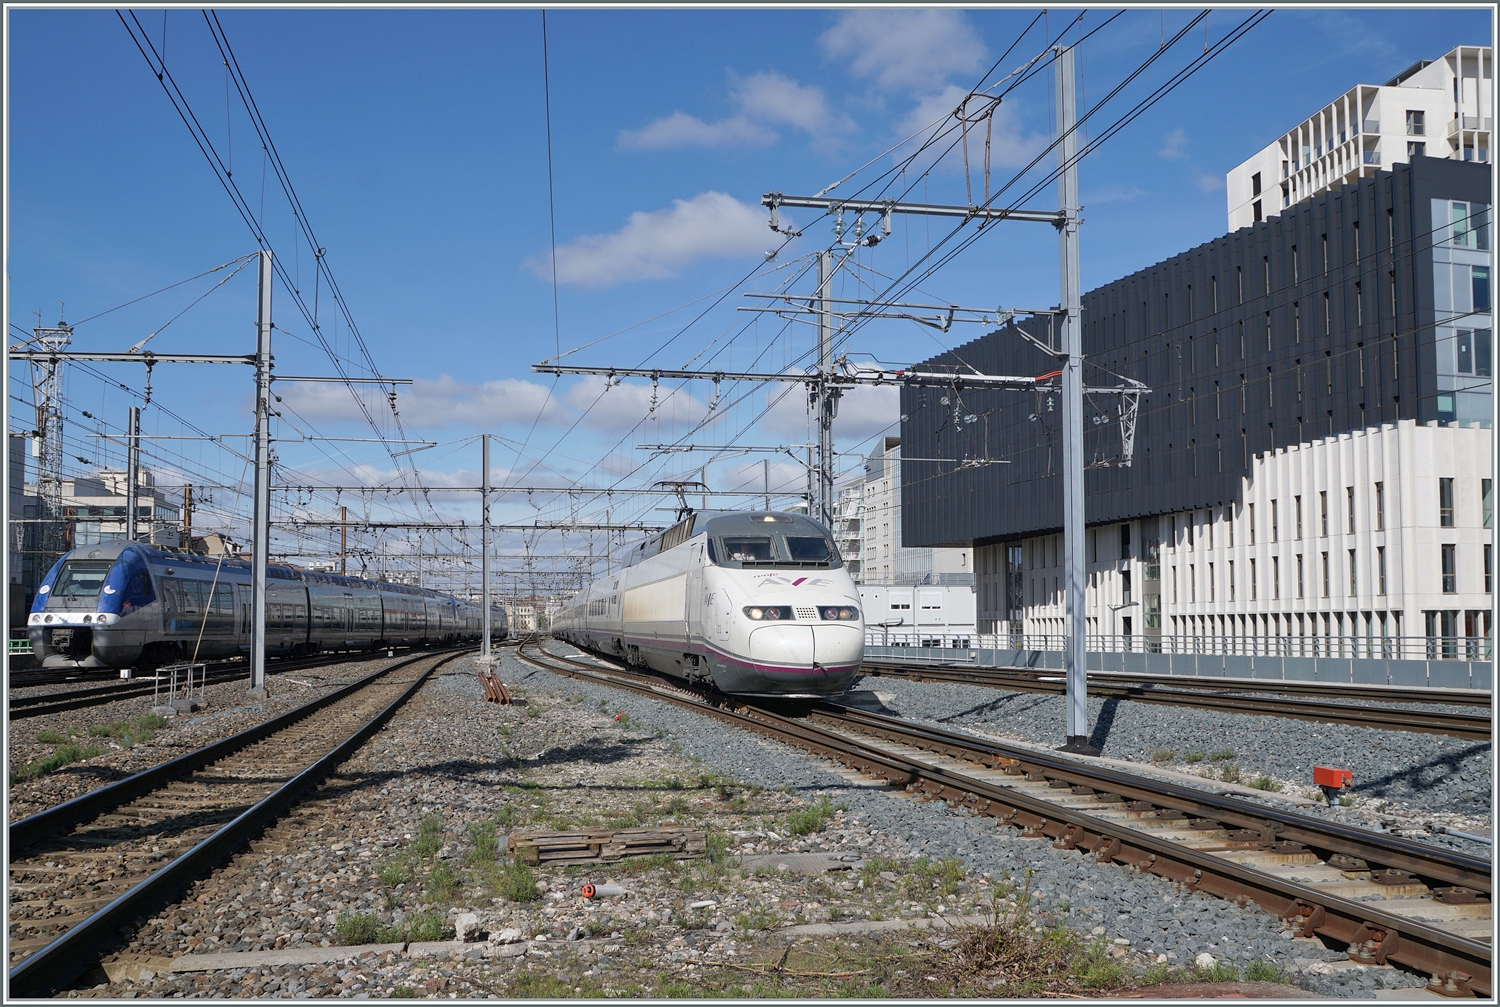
{"points": [[1335, 690], [1418, 945], [1470, 726], [86, 807], [21, 707], [47, 970]]}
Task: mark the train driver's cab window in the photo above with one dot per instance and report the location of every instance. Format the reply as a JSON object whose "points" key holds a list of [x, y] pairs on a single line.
{"points": [[809, 548], [81, 579], [747, 549]]}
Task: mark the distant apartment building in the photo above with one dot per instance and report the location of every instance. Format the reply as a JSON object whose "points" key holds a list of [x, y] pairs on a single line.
{"points": [[867, 530], [1440, 108]]}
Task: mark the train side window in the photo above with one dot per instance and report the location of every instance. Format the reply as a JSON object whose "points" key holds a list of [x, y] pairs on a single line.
{"points": [[713, 556], [192, 599], [171, 597]]}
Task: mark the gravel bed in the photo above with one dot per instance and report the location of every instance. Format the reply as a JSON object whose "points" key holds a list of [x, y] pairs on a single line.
{"points": [[228, 712], [1402, 779], [577, 751]]}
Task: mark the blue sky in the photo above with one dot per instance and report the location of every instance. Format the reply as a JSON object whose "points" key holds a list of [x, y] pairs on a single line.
{"points": [[417, 143]]}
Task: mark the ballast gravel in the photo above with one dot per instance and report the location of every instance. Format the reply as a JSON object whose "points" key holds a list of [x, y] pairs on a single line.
{"points": [[227, 712], [1402, 779], [1147, 911], [578, 748]]}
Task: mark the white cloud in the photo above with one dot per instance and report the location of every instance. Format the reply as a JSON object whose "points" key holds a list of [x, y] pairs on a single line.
{"points": [[765, 99], [916, 49], [434, 403], [1113, 194], [682, 130], [1009, 147], [1207, 181], [1175, 144], [863, 411], [656, 245], [630, 403], [770, 97]]}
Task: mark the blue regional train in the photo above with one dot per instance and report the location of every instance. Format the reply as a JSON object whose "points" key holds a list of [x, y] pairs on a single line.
{"points": [[129, 605]]}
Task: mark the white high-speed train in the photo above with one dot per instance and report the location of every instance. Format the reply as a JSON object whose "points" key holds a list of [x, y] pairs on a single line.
{"points": [[756, 602]]}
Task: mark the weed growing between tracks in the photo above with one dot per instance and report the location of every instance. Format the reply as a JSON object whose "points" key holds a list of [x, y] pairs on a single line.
{"points": [[64, 755]]}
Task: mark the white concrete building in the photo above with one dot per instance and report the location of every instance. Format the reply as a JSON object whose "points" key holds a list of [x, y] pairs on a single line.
{"points": [[1373, 543], [919, 616], [883, 559], [1436, 108]]}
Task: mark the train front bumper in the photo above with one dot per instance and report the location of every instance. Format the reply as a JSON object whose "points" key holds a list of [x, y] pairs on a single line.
{"points": [[792, 659]]}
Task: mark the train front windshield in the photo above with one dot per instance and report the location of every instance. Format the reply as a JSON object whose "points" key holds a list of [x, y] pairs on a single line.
{"points": [[808, 548], [81, 578]]}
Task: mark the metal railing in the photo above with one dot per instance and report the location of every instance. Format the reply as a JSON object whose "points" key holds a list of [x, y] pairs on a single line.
{"points": [[1390, 648], [19, 647], [1372, 157], [1370, 126], [1469, 122]]}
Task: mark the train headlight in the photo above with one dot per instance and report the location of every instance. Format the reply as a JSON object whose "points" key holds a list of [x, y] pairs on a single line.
{"points": [[839, 613], [765, 613], [88, 618]]}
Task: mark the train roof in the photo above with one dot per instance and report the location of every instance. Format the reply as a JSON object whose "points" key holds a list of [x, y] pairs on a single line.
{"points": [[112, 550], [718, 523]]}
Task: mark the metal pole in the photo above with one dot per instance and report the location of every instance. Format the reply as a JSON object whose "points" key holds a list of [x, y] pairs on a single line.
{"points": [[765, 464], [824, 395], [1074, 556], [187, 517], [132, 472], [343, 541], [484, 543], [262, 519]]}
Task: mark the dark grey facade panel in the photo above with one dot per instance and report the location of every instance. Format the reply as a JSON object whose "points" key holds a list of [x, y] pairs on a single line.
{"points": [[1274, 335]]}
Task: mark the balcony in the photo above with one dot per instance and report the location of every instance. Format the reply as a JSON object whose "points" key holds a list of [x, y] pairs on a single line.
{"points": [[1370, 126], [1469, 122], [1372, 157]]}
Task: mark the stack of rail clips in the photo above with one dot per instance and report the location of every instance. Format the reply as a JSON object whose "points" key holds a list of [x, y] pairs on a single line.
{"points": [[604, 845]]}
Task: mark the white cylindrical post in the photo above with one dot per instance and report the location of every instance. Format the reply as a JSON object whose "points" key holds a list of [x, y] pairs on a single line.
{"points": [[484, 544], [1074, 572], [262, 514], [132, 473]]}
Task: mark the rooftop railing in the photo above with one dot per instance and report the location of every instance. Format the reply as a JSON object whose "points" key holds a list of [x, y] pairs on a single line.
{"points": [[1390, 648]]}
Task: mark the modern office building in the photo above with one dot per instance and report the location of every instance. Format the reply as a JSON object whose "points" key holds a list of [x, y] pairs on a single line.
{"points": [[1336, 358], [1436, 108]]}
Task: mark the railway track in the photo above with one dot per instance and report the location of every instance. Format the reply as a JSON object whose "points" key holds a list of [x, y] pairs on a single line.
{"points": [[83, 871], [1391, 900], [1168, 690], [42, 704]]}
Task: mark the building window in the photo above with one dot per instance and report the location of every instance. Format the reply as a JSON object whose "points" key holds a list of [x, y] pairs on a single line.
{"points": [[1482, 353], [1211, 591], [1253, 586], [1465, 351], [1325, 575], [1192, 582], [1275, 576], [1231, 580], [1416, 149], [1325, 255], [1416, 122], [1259, 214], [1445, 502], [1229, 525], [1255, 184], [1487, 568], [1359, 303], [1349, 497], [1301, 580], [1380, 506], [1275, 523], [1174, 585], [1265, 268], [1355, 240], [1450, 570], [1125, 541], [1380, 567], [1486, 497], [1480, 277], [1296, 268], [1323, 512], [1470, 232], [1252, 524], [1353, 577]]}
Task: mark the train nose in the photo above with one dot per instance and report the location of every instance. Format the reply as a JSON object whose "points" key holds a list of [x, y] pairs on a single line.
{"points": [[837, 646], [782, 646]]}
